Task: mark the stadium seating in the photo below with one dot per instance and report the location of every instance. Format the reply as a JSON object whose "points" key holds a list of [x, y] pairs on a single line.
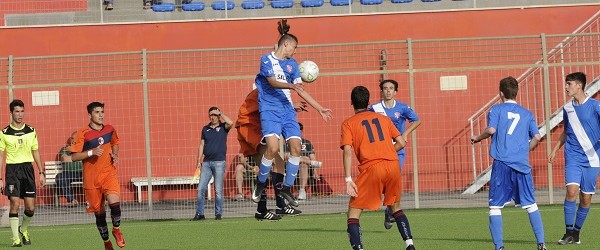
{"points": [[253, 4], [164, 7], [193, 6], [281, 4], [401, 1], [220, 5], [371, 2], [311, 3], [341, 2]]}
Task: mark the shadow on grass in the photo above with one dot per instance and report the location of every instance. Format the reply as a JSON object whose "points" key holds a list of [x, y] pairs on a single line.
{"points": [[525, 242], [308, 230]]}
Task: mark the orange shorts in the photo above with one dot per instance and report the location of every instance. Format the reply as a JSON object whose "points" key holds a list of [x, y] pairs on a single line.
{"points": [[107, 184], [380, 178], [249, 136]]}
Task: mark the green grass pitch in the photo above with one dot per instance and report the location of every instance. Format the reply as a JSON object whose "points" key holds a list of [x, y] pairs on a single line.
{"points": [[432, 228]]}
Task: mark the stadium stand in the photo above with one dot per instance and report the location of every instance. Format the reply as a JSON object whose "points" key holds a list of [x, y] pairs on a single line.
{"points": [[253, 4], [220, 5], [193, 6], [311, 3], [282, 4], [164, 7]]}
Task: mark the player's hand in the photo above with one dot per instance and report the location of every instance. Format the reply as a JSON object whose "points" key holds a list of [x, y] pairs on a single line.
{"points": [[43, 180], [552, 157], [196, 174], [298, 86], [115, 159], [97, 151], [351, 189], [326, 114], [474, 140], [300, 106]]}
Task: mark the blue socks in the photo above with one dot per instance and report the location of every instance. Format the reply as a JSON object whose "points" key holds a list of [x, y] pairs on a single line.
{"points": [[291, 170], [569, 210], [535, 219], [496, 227], [581, 215], [264, 169]]}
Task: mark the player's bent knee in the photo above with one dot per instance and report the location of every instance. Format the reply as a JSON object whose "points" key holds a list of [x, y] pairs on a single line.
{"points": [[495, 212], [28, 213], [532, 208]]}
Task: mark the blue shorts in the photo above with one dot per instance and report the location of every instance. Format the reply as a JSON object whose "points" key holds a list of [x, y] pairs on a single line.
{"points": [[279, 122], [507, 184], [584, 177]]}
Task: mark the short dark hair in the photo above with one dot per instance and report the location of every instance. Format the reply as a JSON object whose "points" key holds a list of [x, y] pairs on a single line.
{"points": [[93, 105], [16, 103], [578, 77], [386, 81], [509, 86], [301, 126], [360, 97], [212, 108]]}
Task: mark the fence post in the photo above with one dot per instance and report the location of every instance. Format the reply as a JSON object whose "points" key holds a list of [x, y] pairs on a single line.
{"points": [[147, 129], [411, 80], [11, 63], [547, 116]]}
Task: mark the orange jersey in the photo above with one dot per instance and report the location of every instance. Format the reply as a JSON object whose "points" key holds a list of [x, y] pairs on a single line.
{"points": [[248, 112], [96, 166], [370, 134]]}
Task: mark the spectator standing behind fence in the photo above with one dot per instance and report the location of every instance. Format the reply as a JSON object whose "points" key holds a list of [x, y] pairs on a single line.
{"points": [[308, 163], [71, 171], [243, 166], [211, 161], [109, 4], [581, 137], [514, 133], [20, 143]]}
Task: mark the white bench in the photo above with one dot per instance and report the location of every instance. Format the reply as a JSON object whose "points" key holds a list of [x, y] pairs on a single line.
{"points": [[52, 169], [140, 182]]}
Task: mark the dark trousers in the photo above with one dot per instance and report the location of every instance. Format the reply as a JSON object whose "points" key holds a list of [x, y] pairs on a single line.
{"points": [[64, 180]]}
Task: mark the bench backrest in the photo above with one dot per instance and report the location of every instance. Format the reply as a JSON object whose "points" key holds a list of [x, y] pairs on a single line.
{"points": [[52, 168]]}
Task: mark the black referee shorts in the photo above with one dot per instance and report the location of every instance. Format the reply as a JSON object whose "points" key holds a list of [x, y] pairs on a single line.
{"points": [[20, 180]]}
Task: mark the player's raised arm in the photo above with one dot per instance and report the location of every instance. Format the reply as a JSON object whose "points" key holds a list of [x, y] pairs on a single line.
{"points": [[326, 113]]}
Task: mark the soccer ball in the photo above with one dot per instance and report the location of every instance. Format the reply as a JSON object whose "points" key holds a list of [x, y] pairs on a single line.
{"points": [[309, 71]]}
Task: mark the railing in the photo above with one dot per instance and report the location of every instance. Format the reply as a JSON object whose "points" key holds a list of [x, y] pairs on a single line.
{"points": [[574, 50]]}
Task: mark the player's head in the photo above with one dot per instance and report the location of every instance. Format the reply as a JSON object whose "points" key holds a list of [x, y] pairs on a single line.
{"points": [[360, 97], [388, 88], [96, 112], [573, 81], [287, 42], [17, 110], [509, 87], [71, 139]]}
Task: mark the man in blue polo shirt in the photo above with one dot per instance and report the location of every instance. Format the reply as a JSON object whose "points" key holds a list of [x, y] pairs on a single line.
{"points": [[211, 160]]}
